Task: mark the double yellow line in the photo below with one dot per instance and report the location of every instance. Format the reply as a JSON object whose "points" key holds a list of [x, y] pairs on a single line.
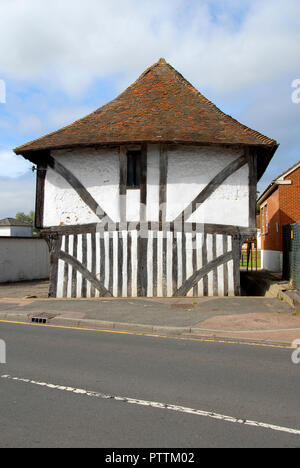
{"points": [[169, 337]]}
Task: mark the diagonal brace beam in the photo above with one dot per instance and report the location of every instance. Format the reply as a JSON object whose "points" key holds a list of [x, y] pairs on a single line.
{"points": [[85, 273], [78, 187], [199, 274], [212, 186]]}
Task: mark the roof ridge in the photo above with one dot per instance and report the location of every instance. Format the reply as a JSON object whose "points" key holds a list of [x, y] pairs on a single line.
{"points": [[210, 103], [120, 119], [161, 61], [184, 81]]}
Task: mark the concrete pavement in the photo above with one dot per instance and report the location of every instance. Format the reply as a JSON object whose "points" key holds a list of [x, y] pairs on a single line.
{"points": [[261, 319]]}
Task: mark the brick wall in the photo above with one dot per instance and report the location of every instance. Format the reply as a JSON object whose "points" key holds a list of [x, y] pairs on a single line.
{"points": [[270, 228], [283, 207], [290, 199]]}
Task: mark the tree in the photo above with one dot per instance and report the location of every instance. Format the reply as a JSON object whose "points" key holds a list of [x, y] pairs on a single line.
{"points": [[28, 219]]}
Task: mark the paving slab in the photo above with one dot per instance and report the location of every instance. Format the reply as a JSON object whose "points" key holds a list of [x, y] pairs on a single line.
{"points": [[271, 327], [149, 312], [253, 318], [123, 311], [39, 288]]}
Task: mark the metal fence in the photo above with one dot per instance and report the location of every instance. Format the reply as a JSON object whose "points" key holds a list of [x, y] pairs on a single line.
{"points": [[291, 254]]}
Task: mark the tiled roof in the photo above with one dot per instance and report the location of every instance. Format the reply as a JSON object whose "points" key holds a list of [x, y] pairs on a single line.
{"points": [[161, 106], [12, 222]]}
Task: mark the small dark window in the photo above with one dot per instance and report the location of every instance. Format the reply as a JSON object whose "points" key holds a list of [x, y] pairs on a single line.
{"points": [[133, 169]]}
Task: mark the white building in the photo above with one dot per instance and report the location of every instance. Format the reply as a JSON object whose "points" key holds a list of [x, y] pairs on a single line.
{"points": [[11, 227], [151, 195]]}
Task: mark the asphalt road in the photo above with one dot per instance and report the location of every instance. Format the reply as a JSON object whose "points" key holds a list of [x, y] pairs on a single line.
{"points": [[251, 383]]}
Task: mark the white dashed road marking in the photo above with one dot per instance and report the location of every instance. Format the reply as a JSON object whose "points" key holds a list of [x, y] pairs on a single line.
{"points": [[153, 404]]}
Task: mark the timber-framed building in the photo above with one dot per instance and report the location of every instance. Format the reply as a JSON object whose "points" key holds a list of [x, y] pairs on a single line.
{"points": [[150, 195]]}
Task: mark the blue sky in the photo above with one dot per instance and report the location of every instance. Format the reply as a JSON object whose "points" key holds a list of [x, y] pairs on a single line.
{"points": [[65, 58]]}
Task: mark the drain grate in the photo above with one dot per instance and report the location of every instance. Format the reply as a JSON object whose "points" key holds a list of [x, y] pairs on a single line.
{"points": [[38, 320], [42, 318]]}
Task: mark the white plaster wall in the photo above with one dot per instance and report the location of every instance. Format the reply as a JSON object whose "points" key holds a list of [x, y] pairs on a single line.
{"points": [[5, 231], [190, 169], [271, 260], [62, 205], [133, 204], [153, 159], [98, 171], [23, 259]]}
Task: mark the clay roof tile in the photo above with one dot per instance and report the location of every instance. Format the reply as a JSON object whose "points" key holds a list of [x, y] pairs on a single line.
{"points": [[161, 105]]}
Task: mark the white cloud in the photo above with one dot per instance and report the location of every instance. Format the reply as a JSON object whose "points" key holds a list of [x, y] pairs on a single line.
{"points": [[61, 117], [12, 166], [17, 195], [29, 123], [70, 45], [273, 113], [248, 48]]}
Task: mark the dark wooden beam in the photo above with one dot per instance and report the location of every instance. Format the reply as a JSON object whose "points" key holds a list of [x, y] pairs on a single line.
{"points": [[142, 247], [212, 186], [74, 272], [199, 274], [66, 269], [236, 249], [224, 229], [143, 184], [129, 265], [40, 193], [84, 264], [163, 179], [252, 162], [123, 183], [76, 265], [225, 250], [94, 265], [55, 245], [120, 265], [77, 186]]}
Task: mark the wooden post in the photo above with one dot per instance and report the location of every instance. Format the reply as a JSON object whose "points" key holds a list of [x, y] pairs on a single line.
{"points": [[123, 183]]}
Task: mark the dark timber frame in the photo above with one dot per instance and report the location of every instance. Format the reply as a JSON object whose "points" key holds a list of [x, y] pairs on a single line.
{"points": [[40, 188], [55, 234], [212, 186], [252, 161], [123, 183], [59, 168]]}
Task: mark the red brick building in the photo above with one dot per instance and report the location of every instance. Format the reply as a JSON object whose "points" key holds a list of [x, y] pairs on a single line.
{"points": [[279, 205]]}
